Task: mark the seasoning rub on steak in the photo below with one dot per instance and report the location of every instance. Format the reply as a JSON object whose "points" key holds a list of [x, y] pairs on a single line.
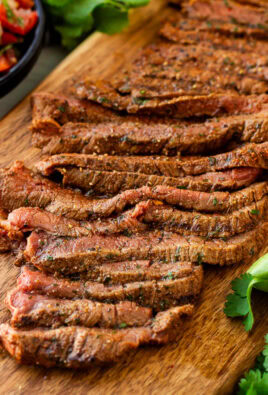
{"points": [[214, 104], [19, 187], [66, 256], [78, 347], [224, 35], [249, 155], [159, 286], [144, 216], [37, 310], [108, 175], [128, 134]]}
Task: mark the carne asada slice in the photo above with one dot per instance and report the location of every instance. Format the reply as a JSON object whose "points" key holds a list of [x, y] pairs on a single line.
{"points": [[217, 34], [229, 11], [19, 188], [67, 256], [256, 3], [25, 219], [143, 216], [206, 225], [215, 74], [180, 107], [108, 175], [37, 310], [49, 111], [77, 347], [111, 183], [248, 155], [34, 281], [157, 294], [152, 137]]}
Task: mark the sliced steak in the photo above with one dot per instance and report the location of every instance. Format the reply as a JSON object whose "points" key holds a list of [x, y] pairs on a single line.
{"points": [[67, 256], [157, 294], [49, 111], [226, 12], [127, 134], [206, 225], [107, 273], [26, 219], [180, 107], [139, 138], [19, 188], [217, 34], [249, 155], [76, 347], [106, 175], [37, 310], [145, 215], [106, 183]]}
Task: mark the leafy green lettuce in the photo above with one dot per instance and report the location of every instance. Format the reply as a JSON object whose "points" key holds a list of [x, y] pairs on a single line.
{"points": [[75, 19]]}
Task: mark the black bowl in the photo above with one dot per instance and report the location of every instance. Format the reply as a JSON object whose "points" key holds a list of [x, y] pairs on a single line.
{"points": [[30, 50]]}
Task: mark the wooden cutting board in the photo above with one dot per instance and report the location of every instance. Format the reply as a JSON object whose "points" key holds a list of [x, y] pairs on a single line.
{"points": [[213, 351]]}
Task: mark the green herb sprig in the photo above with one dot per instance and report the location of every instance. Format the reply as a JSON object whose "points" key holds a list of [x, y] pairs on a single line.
{"points": [[75, 19], [239, 302], [255, 382]]}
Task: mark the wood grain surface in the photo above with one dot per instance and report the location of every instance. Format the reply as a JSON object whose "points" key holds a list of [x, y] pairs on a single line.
{"points": [[213, 351]]}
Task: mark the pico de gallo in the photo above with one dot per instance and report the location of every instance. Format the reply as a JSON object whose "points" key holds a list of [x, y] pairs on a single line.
{"points": [[17, 19]]}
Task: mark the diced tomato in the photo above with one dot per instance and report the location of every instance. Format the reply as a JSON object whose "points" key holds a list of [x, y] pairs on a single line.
{"points": [[21, 21], [25, 3], [8, 38], [5, 65]]}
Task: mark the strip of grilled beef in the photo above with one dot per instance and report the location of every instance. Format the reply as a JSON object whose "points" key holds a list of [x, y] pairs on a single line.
{"points": [[37, 310], [249, 155], [26, 219], [78, 347], [108, 175], [10, 239], [218, 34], [218, 73], [19, 188], [179, 107], [209, 71], [144, 216], [139, 138], [108, 273], [226, 12], [255, 3], [49, 111], [67, 256], [157, 294], [162, 55], [106, 183], [126, 134]]}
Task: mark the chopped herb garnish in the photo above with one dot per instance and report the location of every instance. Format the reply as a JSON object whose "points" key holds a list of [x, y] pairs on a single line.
{"points": [[200, 258], [215, 202], [212, 160], [61, 109], [255, 212], [50, 258], [177, 253]]}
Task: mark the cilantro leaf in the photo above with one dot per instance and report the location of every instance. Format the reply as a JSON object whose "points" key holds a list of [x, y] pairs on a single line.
{"points": [[265, 354], [75, 19], [254, 383], [239, 303], [110, 20]]}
